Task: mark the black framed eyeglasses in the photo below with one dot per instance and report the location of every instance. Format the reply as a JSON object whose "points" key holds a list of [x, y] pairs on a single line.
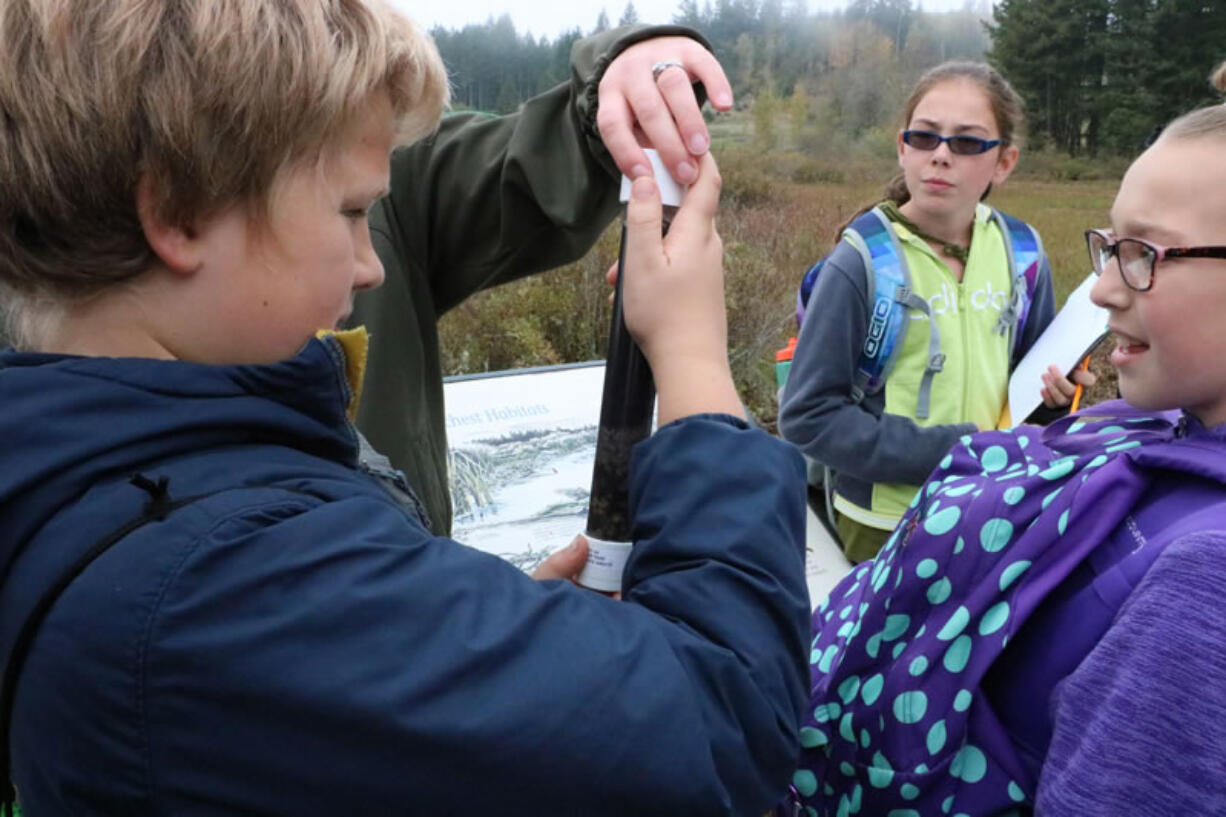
{"points": [[1137, 259], [959, 144]]}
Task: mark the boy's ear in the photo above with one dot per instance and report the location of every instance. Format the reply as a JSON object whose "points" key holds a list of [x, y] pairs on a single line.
{"points": [[1005, 164], [175, 245], [898, 145]]}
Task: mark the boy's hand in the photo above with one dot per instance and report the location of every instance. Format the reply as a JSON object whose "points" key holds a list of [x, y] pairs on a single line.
{"points": [[634, 107], [566, 563], [673, 297], [1058, 390]]}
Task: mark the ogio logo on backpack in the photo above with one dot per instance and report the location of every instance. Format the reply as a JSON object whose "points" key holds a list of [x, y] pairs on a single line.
{"points": [[877, 324]]}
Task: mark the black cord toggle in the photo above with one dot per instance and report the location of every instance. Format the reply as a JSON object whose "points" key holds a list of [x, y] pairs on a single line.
{"points": [[159, 495]]}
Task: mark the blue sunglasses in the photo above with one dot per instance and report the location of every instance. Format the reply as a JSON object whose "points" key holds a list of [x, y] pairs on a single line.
{"points": [[959, 145]]}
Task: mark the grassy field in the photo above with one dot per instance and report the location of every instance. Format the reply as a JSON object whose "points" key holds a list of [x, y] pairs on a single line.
{"points": [[780, 211]]}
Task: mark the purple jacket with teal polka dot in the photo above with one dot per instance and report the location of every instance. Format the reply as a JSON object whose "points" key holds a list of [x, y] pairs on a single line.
{"points": [[918, 704]]}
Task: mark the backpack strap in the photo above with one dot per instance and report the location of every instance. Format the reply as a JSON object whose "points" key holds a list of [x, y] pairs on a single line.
{"points": [[888, 286], [891, 295], [936, 358], [806, 289], [1024, 249]]}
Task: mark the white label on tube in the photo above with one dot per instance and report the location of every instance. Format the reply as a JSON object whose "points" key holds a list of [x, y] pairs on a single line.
{"points": [[605, 563], [671, 193]]}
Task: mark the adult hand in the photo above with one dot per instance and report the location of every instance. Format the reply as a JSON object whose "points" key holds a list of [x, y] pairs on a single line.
{"points": [[662, 112], [1058, 390]]}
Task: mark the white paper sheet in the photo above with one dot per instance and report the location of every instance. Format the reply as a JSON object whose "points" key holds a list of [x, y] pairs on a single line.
{"points": [[1072, 333], [825, 564]]}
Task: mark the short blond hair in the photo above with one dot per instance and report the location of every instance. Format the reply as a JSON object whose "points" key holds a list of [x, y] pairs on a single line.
{"points": [[1202, 123], [209, 100], [1218, 78]]}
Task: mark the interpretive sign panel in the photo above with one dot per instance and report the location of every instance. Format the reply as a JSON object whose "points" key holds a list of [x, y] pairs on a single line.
{"points": [[522, 444]]}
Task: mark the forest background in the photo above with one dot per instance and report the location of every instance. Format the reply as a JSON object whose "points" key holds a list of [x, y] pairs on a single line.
{"points": [[811, 141]]}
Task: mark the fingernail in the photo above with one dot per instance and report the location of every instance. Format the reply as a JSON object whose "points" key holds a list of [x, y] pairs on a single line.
{"points": [[686, 173], [639, 170], [574, 544], [643, 187], [698, 144], [722, 101]]}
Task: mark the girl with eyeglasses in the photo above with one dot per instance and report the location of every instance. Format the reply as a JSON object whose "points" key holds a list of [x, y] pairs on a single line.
{"points": [[1044, 631], [961, 128]]}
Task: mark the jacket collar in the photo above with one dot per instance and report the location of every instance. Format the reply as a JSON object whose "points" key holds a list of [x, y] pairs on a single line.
{"points": [[70, 422]]}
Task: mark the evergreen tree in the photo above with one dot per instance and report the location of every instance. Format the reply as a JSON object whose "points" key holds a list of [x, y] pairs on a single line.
{"points": [[765, 109], [1051, 51], [798, 112], [1127, 106], [1188, 38], [688, 14], [891, 17], [1105, 74]]}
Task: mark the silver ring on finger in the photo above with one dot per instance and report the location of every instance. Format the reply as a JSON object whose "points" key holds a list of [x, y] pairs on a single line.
{"points": [[664, 65]]}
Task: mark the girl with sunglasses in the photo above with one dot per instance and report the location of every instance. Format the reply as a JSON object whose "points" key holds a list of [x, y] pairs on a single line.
{"points": [[962, 125], [1063, 657]]}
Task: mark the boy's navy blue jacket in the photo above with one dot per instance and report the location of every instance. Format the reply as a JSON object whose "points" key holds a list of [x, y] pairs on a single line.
{"points": [[294, 641]]}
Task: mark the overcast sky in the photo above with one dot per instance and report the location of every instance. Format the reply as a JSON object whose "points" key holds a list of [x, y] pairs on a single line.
{"points": [[551, 17], [542, 17]]}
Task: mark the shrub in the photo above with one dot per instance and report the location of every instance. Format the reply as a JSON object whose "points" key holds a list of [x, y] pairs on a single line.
{"points": [[1054, 166]]}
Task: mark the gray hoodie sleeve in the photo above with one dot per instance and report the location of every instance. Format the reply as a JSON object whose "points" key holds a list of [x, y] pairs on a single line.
{"points": [[816, 411], [1042, 311]]}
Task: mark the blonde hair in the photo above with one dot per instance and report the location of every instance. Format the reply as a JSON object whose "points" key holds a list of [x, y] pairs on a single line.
{"points": [[207, 100], [1218, 78], [1202, 123]]}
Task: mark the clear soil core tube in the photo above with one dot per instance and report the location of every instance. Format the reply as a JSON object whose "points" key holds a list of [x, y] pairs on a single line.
{"points": [[626, 410]]}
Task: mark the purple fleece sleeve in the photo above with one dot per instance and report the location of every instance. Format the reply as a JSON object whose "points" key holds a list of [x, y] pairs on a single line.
{"points": [[1140, 726]]}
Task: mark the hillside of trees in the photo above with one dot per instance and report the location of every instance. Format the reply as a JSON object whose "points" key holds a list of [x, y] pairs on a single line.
{"points": [[1098, 76]]}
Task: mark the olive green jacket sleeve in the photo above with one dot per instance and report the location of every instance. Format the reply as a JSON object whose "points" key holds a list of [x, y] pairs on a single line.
{"points": [[483, 201]]}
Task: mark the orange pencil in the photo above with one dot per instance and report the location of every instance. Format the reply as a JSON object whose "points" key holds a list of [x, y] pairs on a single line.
{"points": [[1085, 365]]}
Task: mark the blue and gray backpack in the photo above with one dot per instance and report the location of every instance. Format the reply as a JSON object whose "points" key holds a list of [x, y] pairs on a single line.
{"points": [[891, 295]]}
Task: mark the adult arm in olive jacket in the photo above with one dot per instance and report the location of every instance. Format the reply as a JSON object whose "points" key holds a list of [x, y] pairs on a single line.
{"points": [[484, 201]]}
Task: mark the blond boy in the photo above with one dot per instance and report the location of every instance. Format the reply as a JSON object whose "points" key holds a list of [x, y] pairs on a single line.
{"points": [[207, 604]]}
